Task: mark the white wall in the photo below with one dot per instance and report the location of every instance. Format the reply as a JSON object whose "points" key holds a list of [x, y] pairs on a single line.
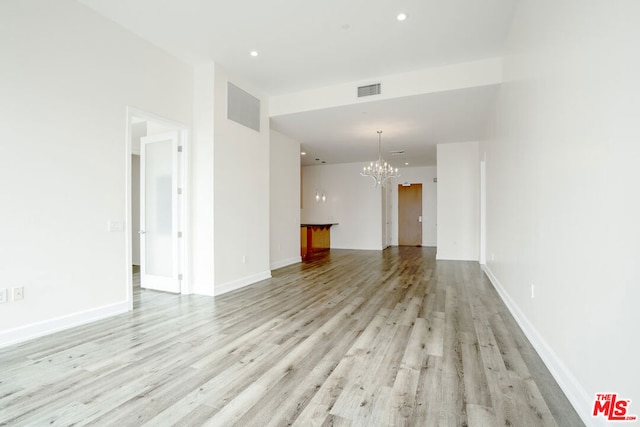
{"points": [[284, 192], [66, 77], [201, 197], [351, 201], [458, 201], [562, 192], [241, 192], [418, 175]]}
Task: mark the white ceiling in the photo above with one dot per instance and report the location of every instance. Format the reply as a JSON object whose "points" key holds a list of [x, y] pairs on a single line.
{"points": [[306, 44], [413, 124]]}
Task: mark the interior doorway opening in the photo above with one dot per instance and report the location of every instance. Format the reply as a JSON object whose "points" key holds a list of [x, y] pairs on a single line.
{"points": [[144, 128]]}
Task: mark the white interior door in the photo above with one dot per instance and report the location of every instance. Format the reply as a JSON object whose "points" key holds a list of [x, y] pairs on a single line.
{"points": [[159, 240]]}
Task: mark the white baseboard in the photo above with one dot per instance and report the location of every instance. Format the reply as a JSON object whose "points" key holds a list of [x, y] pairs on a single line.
{"points": [[203, 290], [446, 257], [39, 329], [285, 262], [241, 283], [582, 402]]}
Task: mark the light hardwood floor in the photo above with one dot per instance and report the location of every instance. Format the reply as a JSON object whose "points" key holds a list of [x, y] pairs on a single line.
{"points": [[350, 338]]}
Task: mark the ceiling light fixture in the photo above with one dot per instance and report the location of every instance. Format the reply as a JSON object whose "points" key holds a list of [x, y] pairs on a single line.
{"points": [[253, 53], [303, 153], [380, 171], [401, 16]]}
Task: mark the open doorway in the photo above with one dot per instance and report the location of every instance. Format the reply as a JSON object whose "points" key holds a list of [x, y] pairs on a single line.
{"points": [[156, 203]]}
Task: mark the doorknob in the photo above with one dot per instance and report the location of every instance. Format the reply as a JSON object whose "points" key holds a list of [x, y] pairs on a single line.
{"points": [[420, 218], [141, 231]]}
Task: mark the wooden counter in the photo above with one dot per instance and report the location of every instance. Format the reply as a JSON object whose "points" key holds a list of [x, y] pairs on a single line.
{"points": [[314, 238]]}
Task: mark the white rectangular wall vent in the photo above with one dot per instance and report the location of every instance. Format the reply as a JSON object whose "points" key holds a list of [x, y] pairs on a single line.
{"points": [[369, 90], [242, 107]]}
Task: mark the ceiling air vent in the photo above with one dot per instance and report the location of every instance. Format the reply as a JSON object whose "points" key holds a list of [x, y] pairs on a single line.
{"points": [[369, 90]]}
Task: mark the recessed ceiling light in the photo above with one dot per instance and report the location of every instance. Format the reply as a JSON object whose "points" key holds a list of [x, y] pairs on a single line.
{"points": [[401, 16], [406, 163], [253, 53], [303, 153]]}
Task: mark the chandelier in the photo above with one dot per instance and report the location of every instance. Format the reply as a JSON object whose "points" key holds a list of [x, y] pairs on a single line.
{"points": [[380, 171]]}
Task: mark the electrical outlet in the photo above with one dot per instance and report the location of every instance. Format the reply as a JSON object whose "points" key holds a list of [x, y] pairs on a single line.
{"points": [[3, 296], [18, 293]]}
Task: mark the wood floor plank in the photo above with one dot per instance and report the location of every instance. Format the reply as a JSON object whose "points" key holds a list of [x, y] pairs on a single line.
{"points": [[347, 338], [480, 416], [415, 352], [428, 394], [402, 402], [374, 408]]}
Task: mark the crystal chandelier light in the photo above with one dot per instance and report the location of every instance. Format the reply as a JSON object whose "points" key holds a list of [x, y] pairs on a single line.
{"points": [[380, 171]]}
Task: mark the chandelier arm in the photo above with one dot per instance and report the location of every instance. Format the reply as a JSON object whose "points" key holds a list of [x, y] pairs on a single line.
{"points": [[381, 171]]}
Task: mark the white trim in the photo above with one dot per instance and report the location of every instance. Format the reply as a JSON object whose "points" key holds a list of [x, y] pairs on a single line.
{"points": [[454, 258], [128, 242], [581, 400], [186, 287], [241, 283], [39, 329], [285, 262], [203, 290], [136, 112], [483, 212]]}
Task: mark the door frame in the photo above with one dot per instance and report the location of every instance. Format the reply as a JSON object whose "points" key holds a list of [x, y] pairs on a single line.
{"points": [[183, 208], [483, 211], [388, 216]]}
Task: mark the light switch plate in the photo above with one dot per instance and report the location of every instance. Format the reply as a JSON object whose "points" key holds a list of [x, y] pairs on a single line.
{"points": [[3, 295], [115, 226]]}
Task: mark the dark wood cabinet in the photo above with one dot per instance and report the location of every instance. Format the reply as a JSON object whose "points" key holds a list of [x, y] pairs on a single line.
{"points": [[314, 238]]}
